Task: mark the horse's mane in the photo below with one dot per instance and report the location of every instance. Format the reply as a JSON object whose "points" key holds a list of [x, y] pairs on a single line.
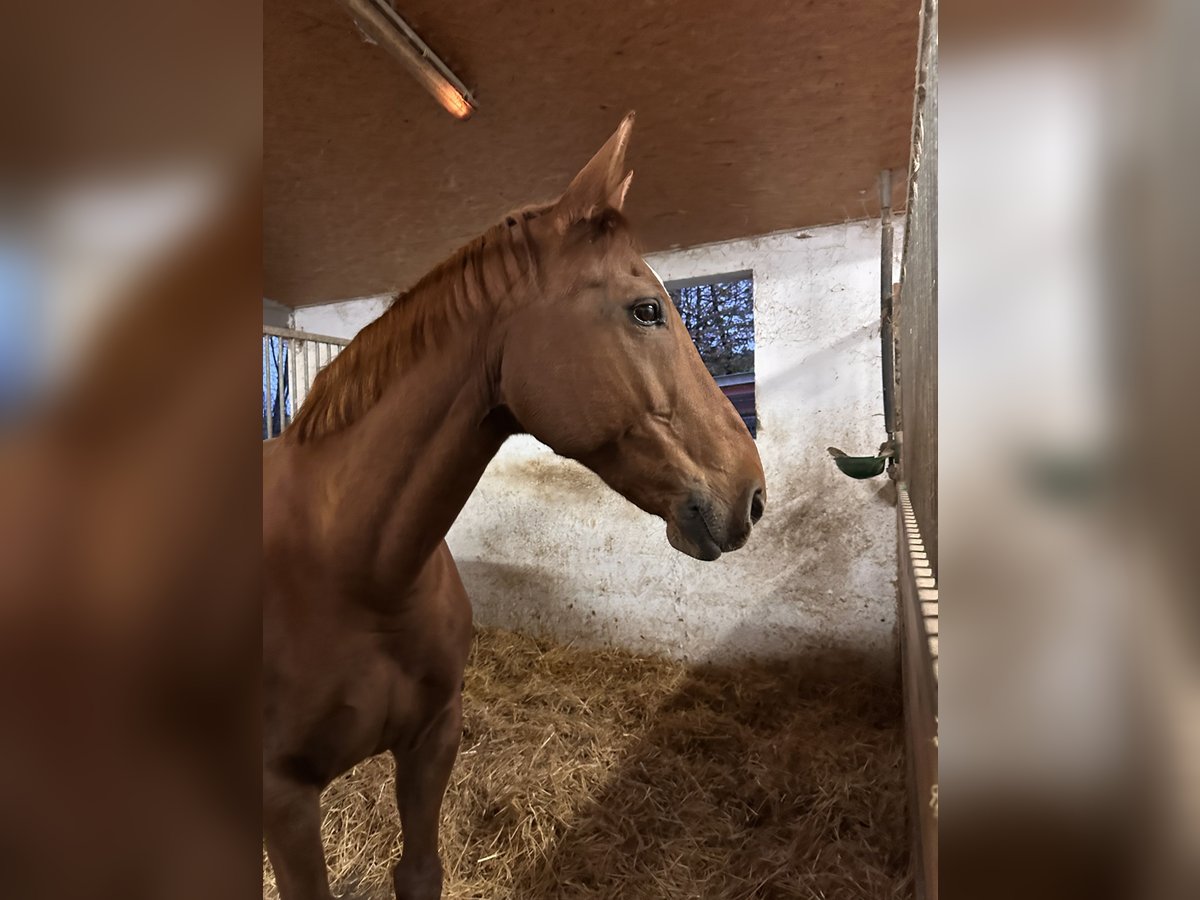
{"points": [[487, 268]]}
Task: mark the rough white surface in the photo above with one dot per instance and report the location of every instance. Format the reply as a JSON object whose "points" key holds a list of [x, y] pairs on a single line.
{"points": [[343, 319], [545, 547]]}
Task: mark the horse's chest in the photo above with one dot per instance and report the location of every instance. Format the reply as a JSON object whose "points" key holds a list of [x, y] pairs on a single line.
{"points": [[351, 700], [343, 681]]}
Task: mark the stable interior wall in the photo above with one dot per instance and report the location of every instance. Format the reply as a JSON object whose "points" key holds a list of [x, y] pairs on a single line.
{"points": [[276, 315], [545, 547]]}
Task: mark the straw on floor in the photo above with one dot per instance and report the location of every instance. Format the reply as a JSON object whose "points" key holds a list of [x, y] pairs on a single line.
{"points": [[602, 774]]}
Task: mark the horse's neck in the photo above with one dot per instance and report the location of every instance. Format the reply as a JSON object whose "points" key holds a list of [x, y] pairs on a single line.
{"points": [[401, 474]]}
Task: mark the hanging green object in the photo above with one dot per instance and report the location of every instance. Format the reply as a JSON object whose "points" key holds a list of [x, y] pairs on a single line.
{"points": [[861, 466]]}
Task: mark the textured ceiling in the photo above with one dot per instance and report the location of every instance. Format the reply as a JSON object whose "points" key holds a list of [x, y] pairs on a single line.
{"points": [[753, 116]]}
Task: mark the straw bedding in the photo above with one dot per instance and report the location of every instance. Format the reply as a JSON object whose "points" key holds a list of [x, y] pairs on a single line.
{"points": [[599, 773]]}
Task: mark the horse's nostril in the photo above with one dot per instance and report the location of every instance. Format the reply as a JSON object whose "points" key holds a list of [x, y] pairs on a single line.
{"points": [[757, 505]]}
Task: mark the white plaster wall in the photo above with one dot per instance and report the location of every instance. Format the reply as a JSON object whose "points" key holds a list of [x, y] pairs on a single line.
{"points": [[545, 547], [343, 319]]}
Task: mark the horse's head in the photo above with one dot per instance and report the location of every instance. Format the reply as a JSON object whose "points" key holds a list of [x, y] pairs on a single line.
{"points": [[598, 365]]}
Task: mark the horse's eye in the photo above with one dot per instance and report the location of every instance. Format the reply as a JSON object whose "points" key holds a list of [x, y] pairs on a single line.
{"points": [[647, 313]]}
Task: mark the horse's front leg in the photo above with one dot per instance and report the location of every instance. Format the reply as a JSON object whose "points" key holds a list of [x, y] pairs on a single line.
{"points": [[422, 773], [292, 829]]}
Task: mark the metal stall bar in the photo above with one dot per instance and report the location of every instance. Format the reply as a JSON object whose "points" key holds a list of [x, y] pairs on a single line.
{"points": [[292, 342], [306, 347], [266, 383], [919, 640], [885, 301], [914, 326], [306, 355], [915, 316], [272, 387]]}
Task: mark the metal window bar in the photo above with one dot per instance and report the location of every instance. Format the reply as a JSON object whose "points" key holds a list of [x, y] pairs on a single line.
{"points": [[291, 360]]}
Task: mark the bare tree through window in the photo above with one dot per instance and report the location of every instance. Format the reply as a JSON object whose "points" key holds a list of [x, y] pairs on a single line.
{"points": [[719, 314]]}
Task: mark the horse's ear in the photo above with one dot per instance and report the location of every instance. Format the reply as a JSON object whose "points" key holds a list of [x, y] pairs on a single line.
{"points": [[616, 200], [602, 183]]}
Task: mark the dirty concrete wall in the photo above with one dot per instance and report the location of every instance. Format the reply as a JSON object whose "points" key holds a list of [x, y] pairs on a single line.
{"points": [[276, 315], [340, 319], [544, 546]]}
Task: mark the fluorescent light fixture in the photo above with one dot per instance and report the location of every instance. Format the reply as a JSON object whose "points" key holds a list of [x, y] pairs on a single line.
{"points": [[384, 25]]}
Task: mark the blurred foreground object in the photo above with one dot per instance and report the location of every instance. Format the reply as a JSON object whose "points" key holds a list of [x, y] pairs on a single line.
{"points": [[129, 624], [130, 278], [1071, 699]]}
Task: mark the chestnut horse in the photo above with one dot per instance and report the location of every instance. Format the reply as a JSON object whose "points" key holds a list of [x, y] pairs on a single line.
{"points": [[551, 324]]}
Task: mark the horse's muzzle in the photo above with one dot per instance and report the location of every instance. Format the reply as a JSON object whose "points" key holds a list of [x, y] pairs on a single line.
{"points": [[704, 528]]}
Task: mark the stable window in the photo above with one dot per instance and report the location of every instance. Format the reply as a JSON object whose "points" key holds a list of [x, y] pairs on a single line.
{"points": [[718, 311]]}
